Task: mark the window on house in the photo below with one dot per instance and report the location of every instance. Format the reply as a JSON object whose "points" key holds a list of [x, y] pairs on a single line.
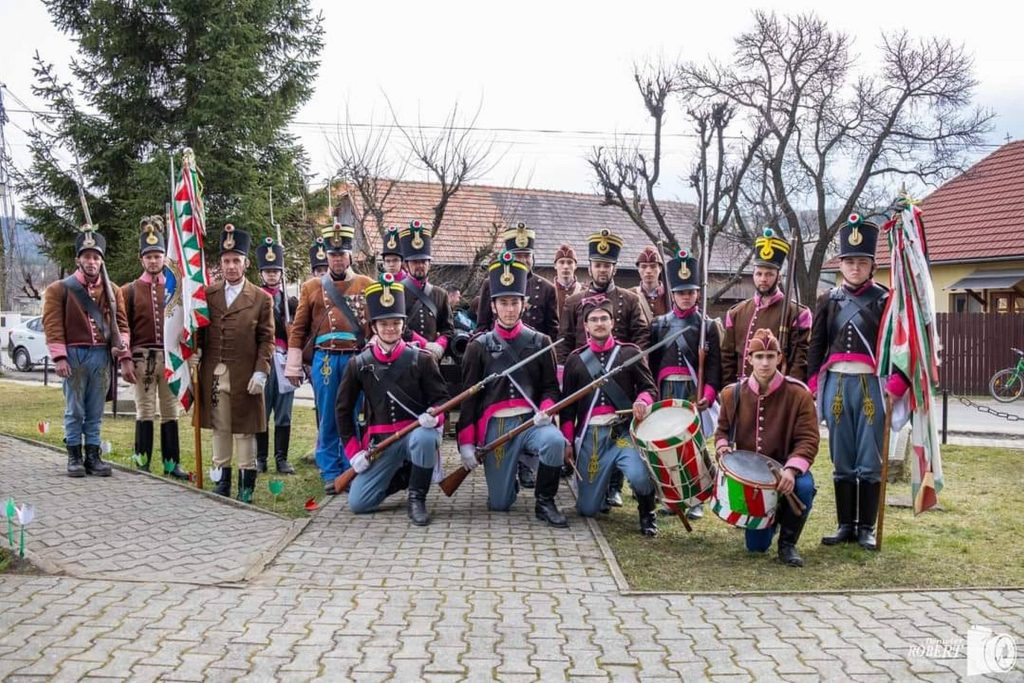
{"points": [[1006, 302]]}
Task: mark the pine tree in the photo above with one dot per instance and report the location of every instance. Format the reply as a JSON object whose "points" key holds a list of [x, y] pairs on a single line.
{"points": [[223, 77]]}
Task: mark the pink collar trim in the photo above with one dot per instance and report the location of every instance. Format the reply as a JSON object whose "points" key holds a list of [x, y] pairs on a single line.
{"points": [[773, 386], [80, 276], [508, 334], [764, 302], [159, 280], [383, 357], [860, 290], [680, 313], [272, 291], [608, 344]]}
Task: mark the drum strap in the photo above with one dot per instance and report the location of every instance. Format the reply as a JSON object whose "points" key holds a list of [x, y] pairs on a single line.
{"points": [[737, 389]]}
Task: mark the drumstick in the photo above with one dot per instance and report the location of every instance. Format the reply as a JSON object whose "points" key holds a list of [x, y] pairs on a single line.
{"points": [[682, 518], [795, 504]]}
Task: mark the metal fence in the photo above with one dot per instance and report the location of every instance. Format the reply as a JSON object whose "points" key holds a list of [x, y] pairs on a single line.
{"points": [[975, 346]]}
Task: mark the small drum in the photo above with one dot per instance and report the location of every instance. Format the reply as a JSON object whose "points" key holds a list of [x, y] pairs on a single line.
{"points": [[673, 448], [745, 494]]}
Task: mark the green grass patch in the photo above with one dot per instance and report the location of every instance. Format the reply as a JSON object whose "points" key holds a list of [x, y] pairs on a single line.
{"points": [[973, 541], [31, 404]]}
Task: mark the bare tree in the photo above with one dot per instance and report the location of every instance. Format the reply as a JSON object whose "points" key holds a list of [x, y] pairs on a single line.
{"points": [[835, 141], [452, 154]]}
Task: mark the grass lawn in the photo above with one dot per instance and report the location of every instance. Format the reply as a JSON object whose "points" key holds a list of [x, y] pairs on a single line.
{"points": [[28, 405], [973, 541]]}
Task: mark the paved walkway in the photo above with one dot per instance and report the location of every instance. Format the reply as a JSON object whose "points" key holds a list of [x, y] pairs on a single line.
{"points": [[477, 596]]}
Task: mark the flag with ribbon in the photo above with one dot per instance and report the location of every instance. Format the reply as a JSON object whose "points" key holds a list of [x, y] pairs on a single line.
{"points": [[186, 308], [909, 342]]}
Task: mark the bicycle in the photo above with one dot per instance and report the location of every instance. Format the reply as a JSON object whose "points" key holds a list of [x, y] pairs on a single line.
{"points": [[1007, 385]]}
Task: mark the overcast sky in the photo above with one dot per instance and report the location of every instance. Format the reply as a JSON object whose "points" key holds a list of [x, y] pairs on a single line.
{"points": [[545, 66]]}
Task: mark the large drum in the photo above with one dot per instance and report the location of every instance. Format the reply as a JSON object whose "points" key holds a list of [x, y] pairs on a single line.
{"points": [[745, 494], [671, 442]]}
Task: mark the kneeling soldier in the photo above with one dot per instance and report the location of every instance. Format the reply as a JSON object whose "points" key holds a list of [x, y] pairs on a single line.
{"points": [[400, 384], [592, 426], [773, 414]]}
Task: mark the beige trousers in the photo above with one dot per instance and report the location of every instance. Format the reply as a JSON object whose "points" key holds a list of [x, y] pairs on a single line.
{"points": [[224, 442], [151, 387]]}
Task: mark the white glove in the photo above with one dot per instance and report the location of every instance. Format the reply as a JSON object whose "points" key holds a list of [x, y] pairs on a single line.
{"points": [[436, 350], [427, 421], [193, 360], [541, 419], [468, 453], [257, 382], [359, 462]]}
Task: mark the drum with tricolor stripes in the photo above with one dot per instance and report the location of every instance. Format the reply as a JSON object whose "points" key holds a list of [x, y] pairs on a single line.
{"points": [[745, 494], [671, 442]]}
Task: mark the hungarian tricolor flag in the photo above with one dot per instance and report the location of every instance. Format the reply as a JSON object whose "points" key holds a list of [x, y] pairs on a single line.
{"points": [[186, 310], [909, 342]]}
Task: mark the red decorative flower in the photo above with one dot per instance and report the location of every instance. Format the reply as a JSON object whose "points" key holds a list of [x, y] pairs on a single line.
{"points": [[853, 219], [417, 224], [507, 257], [311, 505], [388, 278], [683, 253]]}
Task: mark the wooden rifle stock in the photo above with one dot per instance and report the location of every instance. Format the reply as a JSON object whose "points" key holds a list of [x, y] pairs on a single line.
{"points": [[342, 481], [453, 481]]}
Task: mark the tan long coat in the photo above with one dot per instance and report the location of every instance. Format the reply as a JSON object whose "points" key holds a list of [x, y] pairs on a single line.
{"points": [[242, 337]]}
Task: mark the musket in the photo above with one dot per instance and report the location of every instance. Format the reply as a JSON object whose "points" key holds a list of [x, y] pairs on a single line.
{"points": [[343, 480], [453, 481], [284, 274], [702, 350], [783, 325], [116, 340]]}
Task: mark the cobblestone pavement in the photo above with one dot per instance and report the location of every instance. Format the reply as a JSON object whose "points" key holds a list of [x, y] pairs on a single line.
{"points": [[133, 526], [476, 596]]}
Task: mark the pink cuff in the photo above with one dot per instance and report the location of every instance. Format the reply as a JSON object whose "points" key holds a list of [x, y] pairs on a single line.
{"points": [[710, 394], [467, 436], [442, 342], [418, 339], [803, 321], [546, 403], [569, 431], [644, 398], [896, 385], [720, 443], [352, 447], [57, 351], [798, 463], [812, 383], [293, 365]]}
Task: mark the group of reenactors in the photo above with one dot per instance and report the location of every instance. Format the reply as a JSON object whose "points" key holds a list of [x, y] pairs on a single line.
{"points": [[371, 349]]}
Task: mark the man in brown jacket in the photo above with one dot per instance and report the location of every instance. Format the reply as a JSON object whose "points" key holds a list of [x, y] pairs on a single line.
{"points": [[651, 290], [144, 302], [774, 415], [630, 323], [764, 309], [236, 349], [81, 325], [565, 283]]}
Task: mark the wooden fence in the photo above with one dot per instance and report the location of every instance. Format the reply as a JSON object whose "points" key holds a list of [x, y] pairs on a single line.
{"points": [[974, 347]]}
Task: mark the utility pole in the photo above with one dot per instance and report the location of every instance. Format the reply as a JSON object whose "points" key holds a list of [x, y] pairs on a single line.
{"points": [[8, 227]]}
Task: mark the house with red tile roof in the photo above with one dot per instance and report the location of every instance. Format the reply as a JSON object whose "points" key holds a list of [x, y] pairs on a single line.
{"points": [[476, 214], [973, 227]]}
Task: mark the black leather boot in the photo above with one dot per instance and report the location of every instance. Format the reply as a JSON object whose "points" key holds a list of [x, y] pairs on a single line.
{"points": [[525, 474], [419, 483], [846, 512], [75, 467], [790, 528], [246, 485], [223, 487], [170, 450], [282, 437], [262, 448], [400, 479], [143, 444], [867, 506], [613, 499], [94, 463], [544, 494], [648, 517]]}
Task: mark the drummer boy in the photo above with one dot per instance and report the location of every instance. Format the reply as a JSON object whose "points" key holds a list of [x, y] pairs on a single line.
{"points": [[773, 415]]}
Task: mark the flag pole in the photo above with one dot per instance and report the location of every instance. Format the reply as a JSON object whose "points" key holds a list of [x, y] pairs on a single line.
{"points": [[885, 471]]}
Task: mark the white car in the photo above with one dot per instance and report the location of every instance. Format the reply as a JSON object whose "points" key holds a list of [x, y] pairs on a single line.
{"points": [[26, 344]]}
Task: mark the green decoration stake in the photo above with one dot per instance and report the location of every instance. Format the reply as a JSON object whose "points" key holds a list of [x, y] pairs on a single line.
{"points": [[9, 512], [168, 466], [276, 487]]}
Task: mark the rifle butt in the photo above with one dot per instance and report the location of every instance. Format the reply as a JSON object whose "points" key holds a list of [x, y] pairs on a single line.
{"points": [[342, 481], [453, 481]]}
